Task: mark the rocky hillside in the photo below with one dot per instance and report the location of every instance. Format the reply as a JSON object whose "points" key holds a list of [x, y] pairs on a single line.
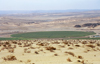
{"points": [[89, 25]]}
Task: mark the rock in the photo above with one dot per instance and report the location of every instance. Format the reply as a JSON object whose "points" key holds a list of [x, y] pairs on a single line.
{"points": [[89, 25], [77, 26]]}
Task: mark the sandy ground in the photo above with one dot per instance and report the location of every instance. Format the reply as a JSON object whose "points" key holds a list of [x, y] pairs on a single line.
{"points": [[50, 51]]}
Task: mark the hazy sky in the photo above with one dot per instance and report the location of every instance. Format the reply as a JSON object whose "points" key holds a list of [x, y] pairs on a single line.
{"points": [[48, 4]]}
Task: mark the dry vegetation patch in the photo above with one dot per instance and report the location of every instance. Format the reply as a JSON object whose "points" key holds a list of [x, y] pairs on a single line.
{"points": [[80, 57], [60, 48], [70, 53], [91, 46], [69, 60], [50, 48], [10, 58]]}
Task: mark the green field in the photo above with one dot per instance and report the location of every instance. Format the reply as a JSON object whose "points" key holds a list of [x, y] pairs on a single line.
{"points": [[14, 39], [52, 34], [88, 38]]}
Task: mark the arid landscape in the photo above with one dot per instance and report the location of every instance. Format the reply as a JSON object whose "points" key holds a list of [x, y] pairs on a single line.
{"points": [[64, 21], [49, 31], [50, 50]]}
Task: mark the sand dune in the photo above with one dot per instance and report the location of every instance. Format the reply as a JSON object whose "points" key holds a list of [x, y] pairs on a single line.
{"points": [[49, 51]]}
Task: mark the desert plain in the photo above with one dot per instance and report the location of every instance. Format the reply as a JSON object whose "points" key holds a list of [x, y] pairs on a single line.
{"points": [[50, 51]]}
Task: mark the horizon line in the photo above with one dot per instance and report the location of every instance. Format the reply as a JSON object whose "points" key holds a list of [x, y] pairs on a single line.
{"points": [[49, 10]]}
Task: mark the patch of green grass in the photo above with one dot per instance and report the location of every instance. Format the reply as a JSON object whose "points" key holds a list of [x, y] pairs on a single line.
{"points": [[89, 38], [14, 39], [53, 34]]}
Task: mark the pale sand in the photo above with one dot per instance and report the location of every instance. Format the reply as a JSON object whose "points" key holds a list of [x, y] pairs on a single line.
{"points": [[50, 52]]}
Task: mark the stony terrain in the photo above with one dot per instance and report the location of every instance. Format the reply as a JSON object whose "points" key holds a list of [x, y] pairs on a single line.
{"points": [[50, 51]]}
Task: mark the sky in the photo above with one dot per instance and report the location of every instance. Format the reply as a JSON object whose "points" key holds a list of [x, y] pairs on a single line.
{"points": [[48, 4]]}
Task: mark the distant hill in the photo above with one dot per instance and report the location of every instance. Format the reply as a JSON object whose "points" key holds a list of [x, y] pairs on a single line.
{"points": [[40, 11]]}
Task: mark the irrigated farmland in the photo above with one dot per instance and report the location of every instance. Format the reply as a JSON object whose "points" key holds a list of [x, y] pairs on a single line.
{"points": [[53, 34]]}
